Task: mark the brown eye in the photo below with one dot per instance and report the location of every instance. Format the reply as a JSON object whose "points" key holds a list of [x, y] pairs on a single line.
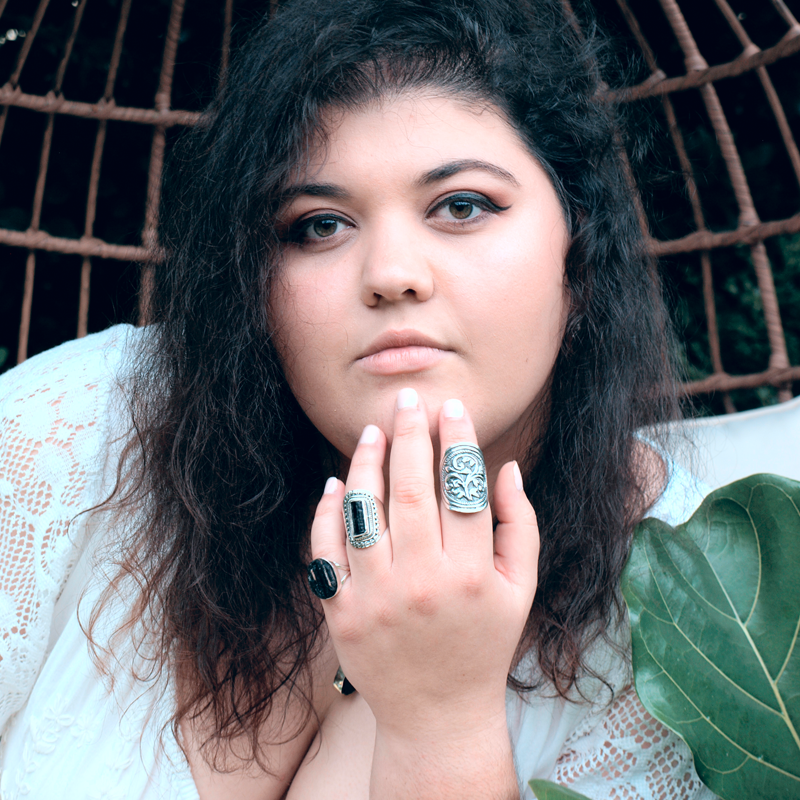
{"points": [[314, 229], [323, 228], [461, 209]]}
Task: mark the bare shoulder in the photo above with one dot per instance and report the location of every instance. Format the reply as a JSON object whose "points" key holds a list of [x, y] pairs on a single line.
{"points": [[651, 471]]}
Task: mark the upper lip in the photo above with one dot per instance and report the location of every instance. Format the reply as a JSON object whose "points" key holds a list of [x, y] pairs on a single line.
{"points": [[407, 338]]}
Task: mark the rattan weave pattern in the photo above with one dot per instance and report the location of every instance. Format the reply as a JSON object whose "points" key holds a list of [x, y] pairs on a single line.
{"points": [[698, 76]]}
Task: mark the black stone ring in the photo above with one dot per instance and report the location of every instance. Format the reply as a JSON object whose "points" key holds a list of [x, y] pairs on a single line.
{"points": [[323, 577], [363, 519]]}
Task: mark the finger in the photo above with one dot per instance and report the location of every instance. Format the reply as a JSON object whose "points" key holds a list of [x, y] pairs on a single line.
{"points": [[466, 534], [413, 512], [516, 538], [366, 475], [328, 536]]}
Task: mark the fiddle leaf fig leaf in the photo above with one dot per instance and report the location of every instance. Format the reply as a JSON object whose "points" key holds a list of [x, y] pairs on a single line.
{"points": [[715, 615], [547, 790]]}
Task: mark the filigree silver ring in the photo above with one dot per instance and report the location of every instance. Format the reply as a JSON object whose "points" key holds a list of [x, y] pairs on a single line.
{"points": [[464, 486]]}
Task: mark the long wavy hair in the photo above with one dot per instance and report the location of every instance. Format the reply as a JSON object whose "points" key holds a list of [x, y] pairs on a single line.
{"points": [[224, 468]]}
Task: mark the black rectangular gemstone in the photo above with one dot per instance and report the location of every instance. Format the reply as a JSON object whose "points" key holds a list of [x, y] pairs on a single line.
{"points": [[359, 517]]}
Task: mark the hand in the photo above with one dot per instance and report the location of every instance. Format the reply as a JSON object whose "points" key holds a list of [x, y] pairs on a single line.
{"points": [[428, 623]]}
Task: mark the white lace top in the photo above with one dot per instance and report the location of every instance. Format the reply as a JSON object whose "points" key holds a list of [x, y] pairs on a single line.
{"points": [[66, 733]]}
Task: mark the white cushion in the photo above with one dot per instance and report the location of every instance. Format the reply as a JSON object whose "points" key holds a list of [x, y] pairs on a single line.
{"points": [[722, 449]]}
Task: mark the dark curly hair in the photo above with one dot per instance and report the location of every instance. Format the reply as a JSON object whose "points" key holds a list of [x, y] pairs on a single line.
{"points": [[223, 460]]}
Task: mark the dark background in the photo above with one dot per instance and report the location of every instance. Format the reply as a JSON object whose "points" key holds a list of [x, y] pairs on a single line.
{"points": [[124, 171]]}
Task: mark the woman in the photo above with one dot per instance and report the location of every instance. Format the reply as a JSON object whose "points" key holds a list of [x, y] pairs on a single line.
{"points": [[402, 229]]}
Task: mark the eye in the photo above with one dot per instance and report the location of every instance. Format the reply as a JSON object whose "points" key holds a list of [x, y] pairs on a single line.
{"points": [[321, 227], [315, 229], [464, 208]]}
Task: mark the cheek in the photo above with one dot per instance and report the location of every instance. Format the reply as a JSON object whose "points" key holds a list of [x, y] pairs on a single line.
{"points": [[525, 300], [306, 334]]}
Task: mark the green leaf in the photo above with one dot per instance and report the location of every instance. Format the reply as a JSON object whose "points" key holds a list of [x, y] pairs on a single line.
{"points": [[547, 790], [715, 612]]}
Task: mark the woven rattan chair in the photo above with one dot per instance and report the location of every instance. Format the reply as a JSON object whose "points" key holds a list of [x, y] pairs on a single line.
{"points": [[56, 118]]}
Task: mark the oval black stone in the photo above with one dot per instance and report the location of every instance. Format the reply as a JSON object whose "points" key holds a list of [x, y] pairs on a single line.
{"points": [[322, 578]]}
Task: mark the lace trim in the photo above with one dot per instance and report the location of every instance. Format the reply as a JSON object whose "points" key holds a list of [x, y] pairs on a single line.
{"points": [[629, 755], [53, 442]]}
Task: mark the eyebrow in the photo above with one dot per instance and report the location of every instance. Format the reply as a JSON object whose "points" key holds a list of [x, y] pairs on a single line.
{"points": [[454, 167], [316, 190], [431, 176]]}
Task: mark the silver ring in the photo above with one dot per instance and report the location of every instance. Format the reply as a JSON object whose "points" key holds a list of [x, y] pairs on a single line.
{"points": [[464, 485], [362, 519], [324, 579]]}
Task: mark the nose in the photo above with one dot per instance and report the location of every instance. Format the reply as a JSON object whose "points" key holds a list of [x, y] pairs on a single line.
{"points": [[396, 266]]}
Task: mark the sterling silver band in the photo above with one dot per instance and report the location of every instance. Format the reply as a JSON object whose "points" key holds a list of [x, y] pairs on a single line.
{"points": [[363, 519], [464, 479]]}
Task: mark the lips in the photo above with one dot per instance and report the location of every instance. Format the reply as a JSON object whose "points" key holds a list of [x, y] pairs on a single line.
{"points": [[399, 339], [402, 352]]}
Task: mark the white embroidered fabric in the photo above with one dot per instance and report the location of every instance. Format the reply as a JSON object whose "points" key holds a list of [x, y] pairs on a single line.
{"points": [[64, 734], [53, 438], [629, 755]]}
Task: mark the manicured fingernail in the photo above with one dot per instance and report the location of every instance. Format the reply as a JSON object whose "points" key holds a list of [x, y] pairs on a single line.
{"points": [[330, 485], [369, 435], [407, 398], [453, 409], [517, 477]]}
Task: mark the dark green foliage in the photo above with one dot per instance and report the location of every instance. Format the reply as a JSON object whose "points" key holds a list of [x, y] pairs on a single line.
{"points": [[715, 610], [547, 790]]}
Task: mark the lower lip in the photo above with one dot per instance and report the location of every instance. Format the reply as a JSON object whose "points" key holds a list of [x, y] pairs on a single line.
{"points": [[399, 360]]}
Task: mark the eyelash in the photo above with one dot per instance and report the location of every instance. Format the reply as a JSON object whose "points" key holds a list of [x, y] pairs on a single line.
{"points": [[472, 199], [296, 232]]}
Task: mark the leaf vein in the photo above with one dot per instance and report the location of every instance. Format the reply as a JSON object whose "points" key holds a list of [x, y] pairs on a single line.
{"points": [[791, 650], [716, 728], [705, 657]]}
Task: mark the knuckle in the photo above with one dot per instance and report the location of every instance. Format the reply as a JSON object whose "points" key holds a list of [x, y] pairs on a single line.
{"points": [[328, 513], [529, 517], [349, 630], [472, 584], [422, 599], [407, 426], [365, 456], [331, 507], [412, 492], [386, 616]]}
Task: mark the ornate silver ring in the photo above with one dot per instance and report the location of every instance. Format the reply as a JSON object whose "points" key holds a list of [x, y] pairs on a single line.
{"points": [[464, 485], [363, 518]]}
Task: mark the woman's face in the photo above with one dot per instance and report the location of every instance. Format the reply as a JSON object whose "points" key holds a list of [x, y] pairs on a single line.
{"points": [[424, 247]]}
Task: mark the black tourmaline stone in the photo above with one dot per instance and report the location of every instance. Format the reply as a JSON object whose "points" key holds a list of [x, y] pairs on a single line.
{"points": [[322, 578], [359, 517]]}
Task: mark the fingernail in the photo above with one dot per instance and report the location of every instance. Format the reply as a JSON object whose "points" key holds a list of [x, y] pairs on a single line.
{"points": [[369, 435], [330, 485], [517, 477], [453, 409], [407, 398]]}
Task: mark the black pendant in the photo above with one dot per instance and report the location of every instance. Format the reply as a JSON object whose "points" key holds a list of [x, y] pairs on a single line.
{"points": [[322, 578]]}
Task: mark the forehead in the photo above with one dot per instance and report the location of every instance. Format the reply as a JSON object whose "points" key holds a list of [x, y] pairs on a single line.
{"points": [[411, 130]]}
